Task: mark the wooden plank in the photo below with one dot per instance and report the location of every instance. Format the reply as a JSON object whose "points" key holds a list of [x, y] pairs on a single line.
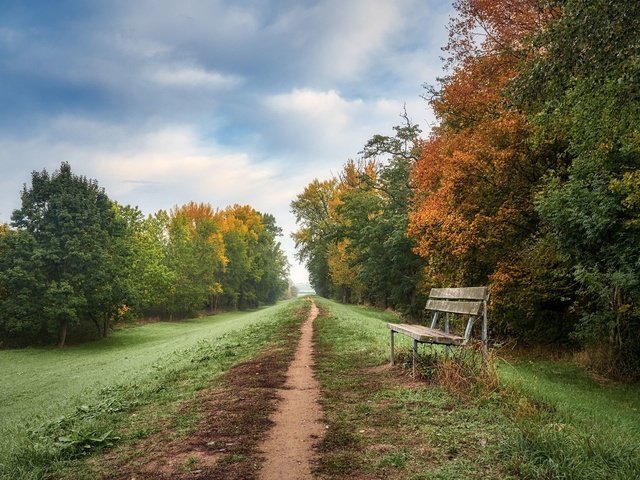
{"points": [[465, 293], [467, 308], [425, 334], [392, 354]]}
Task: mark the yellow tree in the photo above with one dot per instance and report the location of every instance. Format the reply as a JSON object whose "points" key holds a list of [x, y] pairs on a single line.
{"points": [[196, 253]]}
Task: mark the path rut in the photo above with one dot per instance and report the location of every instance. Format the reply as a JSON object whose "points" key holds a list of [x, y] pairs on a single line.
{"points": [[289, 447]]}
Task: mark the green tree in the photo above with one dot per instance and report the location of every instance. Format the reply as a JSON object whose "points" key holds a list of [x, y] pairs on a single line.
{"points": [[147, 272], [195, 256], [271, 262], [388, 264], [313, 211], [77, 249], [22, 289], [580, 91]]}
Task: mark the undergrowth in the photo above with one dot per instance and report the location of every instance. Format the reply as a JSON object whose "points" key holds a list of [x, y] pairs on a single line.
{"points": [[549, 441]]}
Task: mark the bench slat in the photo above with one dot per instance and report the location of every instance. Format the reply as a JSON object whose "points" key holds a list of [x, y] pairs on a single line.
{"points": [[465, 293], [425, 334], [467, 308]]}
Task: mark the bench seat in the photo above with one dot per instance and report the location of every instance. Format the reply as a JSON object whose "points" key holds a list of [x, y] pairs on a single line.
{"points": [[425, 334]]}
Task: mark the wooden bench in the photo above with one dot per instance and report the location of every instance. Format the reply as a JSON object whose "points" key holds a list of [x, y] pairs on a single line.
{"points": [[470, 301]]}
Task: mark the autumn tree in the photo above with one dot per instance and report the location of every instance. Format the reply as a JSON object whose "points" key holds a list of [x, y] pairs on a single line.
{"points": [[474, 214], [374, 218], [353, 227], [313, 212], [256, 271], [195, 255]]}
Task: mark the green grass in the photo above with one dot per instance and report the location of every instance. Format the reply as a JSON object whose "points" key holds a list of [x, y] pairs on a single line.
{"points": [[580, 428], [49, 381], [59, 404], [551, 421], [382, 424]]}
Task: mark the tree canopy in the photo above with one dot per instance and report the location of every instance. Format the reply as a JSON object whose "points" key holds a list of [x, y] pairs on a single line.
{"points": [[528, 182], [73, 257]]}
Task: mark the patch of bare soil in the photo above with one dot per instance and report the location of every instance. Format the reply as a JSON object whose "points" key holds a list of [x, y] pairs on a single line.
{"points": [[297, 424], [233, 420]]}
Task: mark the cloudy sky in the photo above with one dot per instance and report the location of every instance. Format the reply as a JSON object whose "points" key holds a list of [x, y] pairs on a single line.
{"points": [[216, 101]]}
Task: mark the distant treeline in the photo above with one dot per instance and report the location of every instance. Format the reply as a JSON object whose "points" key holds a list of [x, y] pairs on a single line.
{"points": [[529, 182], [73, 257]]}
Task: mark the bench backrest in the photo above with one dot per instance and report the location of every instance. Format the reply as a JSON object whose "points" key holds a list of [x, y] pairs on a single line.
{"points": [[468, 301], [471, 301]]}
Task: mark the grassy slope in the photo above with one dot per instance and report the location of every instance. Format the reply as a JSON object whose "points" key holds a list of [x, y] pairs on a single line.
{"points": [[96, 386], [555, 423], [613, 408], [592, 431], [50, 381]]}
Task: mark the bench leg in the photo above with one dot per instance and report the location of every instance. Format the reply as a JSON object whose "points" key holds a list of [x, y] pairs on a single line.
{"points": [[415, 356], [392, 356]]}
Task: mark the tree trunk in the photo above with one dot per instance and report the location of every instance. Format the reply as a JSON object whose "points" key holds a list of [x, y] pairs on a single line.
{"points": [[105, 326], [97, 324], [62, 333]]}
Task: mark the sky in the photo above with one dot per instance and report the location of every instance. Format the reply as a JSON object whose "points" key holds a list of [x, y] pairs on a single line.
{"points": [[165, 102]]}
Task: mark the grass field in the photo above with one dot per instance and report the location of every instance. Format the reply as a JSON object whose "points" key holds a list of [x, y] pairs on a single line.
{"points": [[550, 420], [580, 428], [52, 400], [547, 420], [384, 424]]}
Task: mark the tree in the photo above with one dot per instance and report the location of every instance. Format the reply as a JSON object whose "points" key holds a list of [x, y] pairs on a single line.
{"points": [[147, 271], [474, 216], [257, 268], [314, 212], [22, 289], [271, 262], [71, 227], [373, 210], [580, 91], [195, 256]]}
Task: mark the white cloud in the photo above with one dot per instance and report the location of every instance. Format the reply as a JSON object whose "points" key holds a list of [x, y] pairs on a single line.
{"points": [[193, 77], [309, 105], [209, 100], [359, 31], [325, 126]]}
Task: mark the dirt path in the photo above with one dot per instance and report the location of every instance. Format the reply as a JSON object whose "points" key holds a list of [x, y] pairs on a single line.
{"points": [[288, 448]]}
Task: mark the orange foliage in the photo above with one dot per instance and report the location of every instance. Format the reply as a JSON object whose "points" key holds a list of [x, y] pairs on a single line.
{"points": [[477, 172]]}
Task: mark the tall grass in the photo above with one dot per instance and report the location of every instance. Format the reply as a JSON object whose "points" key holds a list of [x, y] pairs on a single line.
{"points": [[569, 425], [63, 404]]}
